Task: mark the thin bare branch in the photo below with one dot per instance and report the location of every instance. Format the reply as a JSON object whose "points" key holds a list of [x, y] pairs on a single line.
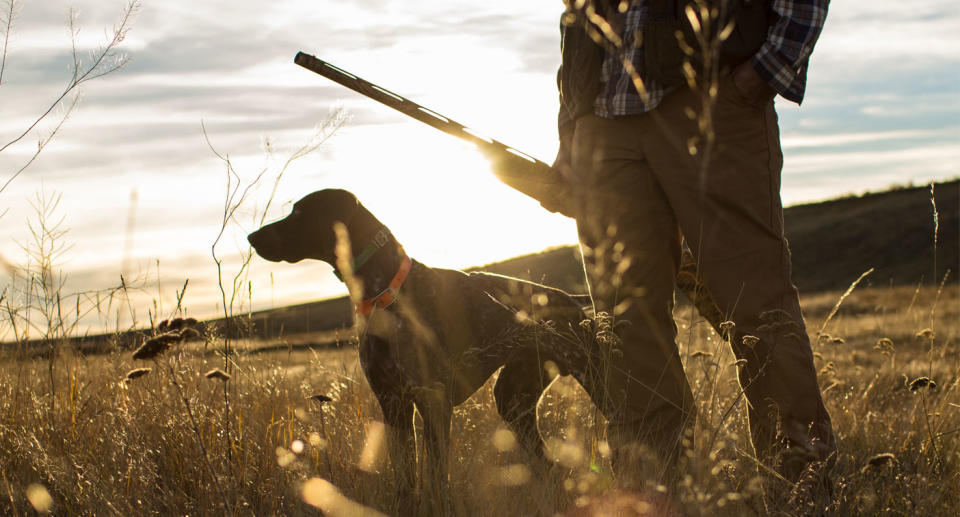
{"points": [[42, 143], [7, 25], [98, 68]]}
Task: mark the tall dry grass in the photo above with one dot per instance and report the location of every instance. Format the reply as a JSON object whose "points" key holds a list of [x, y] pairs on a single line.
{"points": [[101, 443]]}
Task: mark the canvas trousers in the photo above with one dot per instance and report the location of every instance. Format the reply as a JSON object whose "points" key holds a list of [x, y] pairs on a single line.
{"points": [[643, 181]]}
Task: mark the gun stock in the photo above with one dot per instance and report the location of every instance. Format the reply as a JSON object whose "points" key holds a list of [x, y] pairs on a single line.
{"points": [[513, 167]]}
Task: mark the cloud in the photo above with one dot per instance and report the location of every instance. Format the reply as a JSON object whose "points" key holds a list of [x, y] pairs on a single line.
{"points": [[796, 141]]}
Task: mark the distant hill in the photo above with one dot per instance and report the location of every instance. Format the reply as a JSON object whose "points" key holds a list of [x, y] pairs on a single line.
{"points": [[832, 242]]}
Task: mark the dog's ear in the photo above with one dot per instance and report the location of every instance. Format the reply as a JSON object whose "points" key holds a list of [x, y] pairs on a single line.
{"points": [[360, 223], [329, 206], [323, 209], [342, 205]]}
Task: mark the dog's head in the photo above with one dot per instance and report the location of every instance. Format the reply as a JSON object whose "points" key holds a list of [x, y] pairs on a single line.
{"points": [[307, 233]]}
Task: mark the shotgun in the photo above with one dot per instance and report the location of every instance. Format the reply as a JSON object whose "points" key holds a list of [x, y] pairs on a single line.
{"points": [[517, 169]]}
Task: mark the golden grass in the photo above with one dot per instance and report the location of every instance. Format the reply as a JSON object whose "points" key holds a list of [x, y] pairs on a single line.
{"points": [[104, 435]]}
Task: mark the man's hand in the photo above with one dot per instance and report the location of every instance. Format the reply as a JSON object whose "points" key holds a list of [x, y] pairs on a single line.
{"points": [[562, 163], [751, 85]]}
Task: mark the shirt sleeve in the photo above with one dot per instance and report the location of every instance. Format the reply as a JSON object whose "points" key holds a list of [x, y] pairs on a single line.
{"points": [[782, 60]]}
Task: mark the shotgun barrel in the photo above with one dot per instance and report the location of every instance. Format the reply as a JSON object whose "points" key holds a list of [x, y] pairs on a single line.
{"points": [[517, 169]]}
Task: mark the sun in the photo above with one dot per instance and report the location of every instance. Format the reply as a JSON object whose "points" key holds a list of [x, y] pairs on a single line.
{"points": [[440, 198]]}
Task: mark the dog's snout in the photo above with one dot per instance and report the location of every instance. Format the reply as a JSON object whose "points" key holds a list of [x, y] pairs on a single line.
{"points": [[266, 244], [256, 239]]}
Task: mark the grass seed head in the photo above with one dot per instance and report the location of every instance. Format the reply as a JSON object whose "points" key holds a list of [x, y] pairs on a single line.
{"points": [[156, 346], [135, 374], [881, 459], [922, 382], [217, 374]]}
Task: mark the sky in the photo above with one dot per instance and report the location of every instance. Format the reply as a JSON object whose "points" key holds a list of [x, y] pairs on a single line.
{"points": [[141, 187]]}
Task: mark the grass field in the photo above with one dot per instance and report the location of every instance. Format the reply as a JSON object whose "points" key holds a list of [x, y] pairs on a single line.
{"points": [[76, 438]]}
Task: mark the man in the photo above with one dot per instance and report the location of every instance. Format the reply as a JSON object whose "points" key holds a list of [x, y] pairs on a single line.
{"points": [[693, 152]]}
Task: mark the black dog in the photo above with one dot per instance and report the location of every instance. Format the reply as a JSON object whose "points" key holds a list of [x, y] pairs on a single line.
{"points": [[431, 337]]}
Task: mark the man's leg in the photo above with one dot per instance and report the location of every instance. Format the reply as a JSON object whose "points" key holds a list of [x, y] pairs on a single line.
{"points": [[631, 250], [731, 215]]}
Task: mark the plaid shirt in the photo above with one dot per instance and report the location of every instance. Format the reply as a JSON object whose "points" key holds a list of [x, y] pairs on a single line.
{"points": [[781, 61]]}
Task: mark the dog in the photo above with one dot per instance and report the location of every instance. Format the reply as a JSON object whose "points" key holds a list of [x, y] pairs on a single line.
{"points": [[431, 337]]}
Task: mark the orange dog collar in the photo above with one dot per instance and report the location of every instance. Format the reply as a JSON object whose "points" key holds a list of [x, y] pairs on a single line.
{"points": [[388, 295]]}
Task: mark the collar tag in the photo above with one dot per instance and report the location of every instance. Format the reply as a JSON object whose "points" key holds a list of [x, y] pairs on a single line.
{"points": [[379, 240]]}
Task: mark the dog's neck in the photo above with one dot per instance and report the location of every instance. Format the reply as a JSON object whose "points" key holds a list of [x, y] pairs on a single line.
{"points": [[379, 269]]}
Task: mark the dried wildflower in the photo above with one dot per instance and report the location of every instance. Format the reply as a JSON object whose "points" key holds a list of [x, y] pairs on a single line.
{"points": [[750, 341], [586, 325], [135, 373], [922, 382], [156, 345], [217, 374], [605, 335], [319, 397], [837, 341], [884, 345], [727, 326], [828, 369], [926, 334]]}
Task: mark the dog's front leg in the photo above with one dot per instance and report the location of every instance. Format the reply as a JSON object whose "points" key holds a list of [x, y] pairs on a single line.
{"points": [[396, 401], [398, 415], [435, 408]]}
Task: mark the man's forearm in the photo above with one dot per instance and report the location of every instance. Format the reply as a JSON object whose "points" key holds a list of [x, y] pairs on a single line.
{"points": [[790, 42]]}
